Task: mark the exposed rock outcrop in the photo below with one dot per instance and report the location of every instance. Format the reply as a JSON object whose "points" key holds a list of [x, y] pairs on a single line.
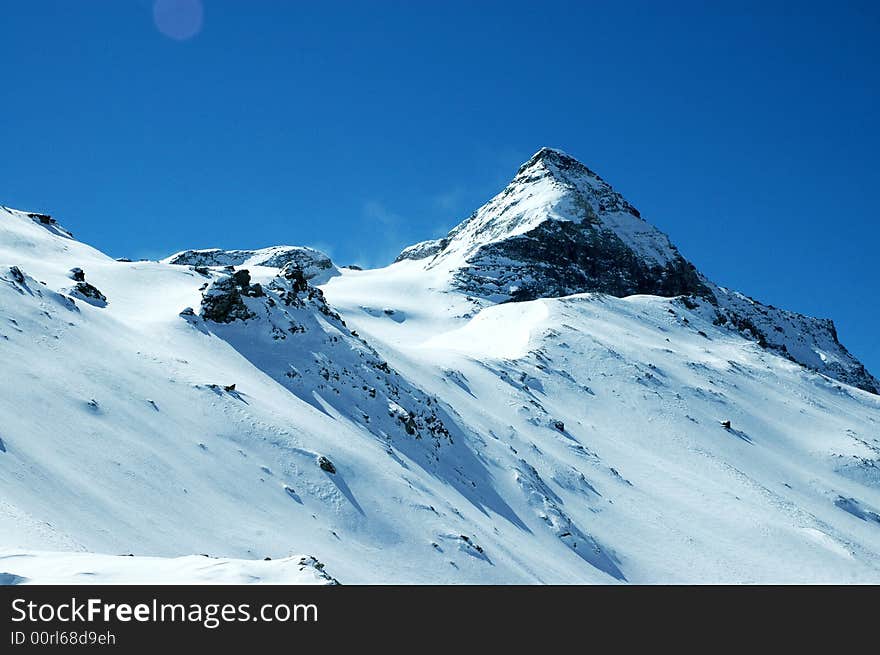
{"points": [[316, 266], [222, 301], [559, 229], [555, 230], [287, 329]]}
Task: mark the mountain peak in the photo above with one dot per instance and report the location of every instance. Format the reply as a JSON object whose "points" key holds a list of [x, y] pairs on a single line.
{"points": [[557, 163], [557, 228], [553, 156]]}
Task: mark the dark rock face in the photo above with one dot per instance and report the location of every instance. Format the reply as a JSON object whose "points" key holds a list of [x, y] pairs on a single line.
{"points": [[326, 465], [16, 274], [287, 329], [422, 249], [296, 275], [222, 301], [89, 293], [555, 230], [242, 279], [45, 219], [313, 263], [559, 229], [563, 258], [856, 375], [794, 336]]}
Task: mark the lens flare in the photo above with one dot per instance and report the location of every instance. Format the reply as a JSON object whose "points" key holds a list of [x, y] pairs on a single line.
{"points": [[178, 19]]}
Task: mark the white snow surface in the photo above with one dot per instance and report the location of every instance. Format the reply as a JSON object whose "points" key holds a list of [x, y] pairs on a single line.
{"points": [[553, 187], [545, 189], [89, 568], [585, 440]]}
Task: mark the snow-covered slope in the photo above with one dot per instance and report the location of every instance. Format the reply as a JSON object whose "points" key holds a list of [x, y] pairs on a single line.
{"points": [[402, 428], [88, 568], [559, 229], [608, 413]]}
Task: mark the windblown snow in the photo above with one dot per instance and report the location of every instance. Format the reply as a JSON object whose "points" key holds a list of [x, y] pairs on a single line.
{"points": [[420, 424]]}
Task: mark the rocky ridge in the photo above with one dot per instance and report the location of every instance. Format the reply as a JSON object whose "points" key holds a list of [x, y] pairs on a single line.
{"points": [[559, 229]]}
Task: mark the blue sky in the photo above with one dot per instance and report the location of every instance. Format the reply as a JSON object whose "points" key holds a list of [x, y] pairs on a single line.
{"points": [[746, 131]]}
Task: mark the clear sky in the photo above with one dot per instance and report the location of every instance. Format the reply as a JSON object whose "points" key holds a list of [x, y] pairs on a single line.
{"points": [[746, 131]]}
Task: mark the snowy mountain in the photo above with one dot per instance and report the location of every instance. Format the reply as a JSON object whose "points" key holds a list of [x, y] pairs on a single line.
{"points": [[558, 229], [550, 394], [555, 230]]}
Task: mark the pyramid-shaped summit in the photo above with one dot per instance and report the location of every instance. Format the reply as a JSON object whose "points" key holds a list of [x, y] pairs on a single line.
{"points": [[559, 229], [555, 230]]}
